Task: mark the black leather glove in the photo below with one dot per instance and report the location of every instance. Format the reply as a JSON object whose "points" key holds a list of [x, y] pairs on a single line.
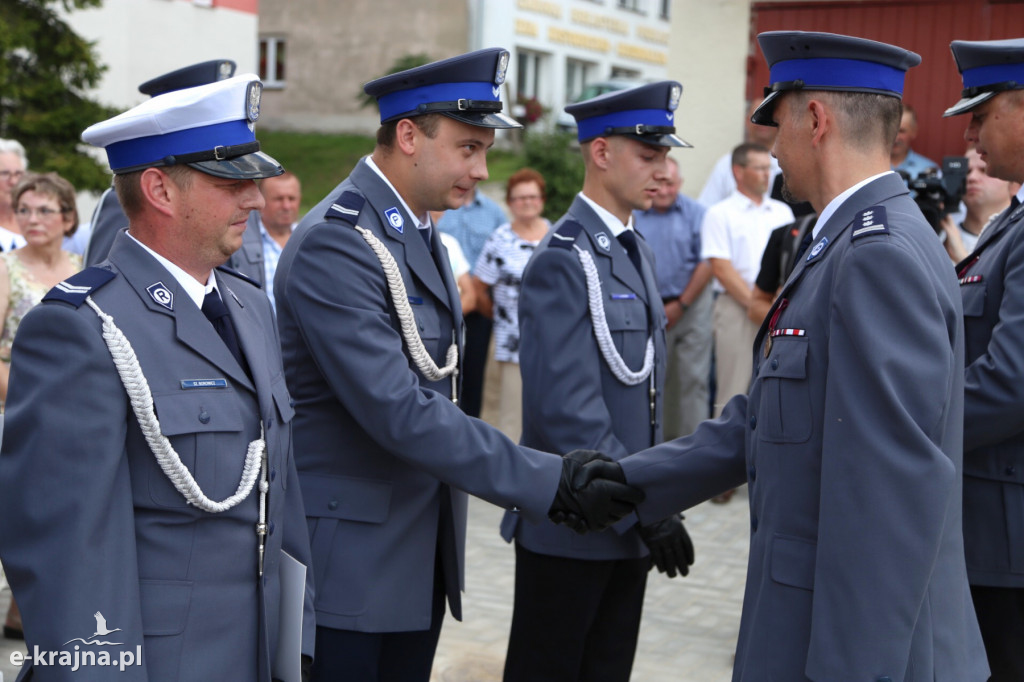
{"points": [[592, 493], [670, 545]]}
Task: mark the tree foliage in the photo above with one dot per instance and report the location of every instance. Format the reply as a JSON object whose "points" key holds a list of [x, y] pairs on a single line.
{"points": [[404, 63], [45, 71], [556, 157]]}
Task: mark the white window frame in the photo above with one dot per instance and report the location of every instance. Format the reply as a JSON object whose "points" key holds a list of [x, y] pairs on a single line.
{"points": [[271, 79]]}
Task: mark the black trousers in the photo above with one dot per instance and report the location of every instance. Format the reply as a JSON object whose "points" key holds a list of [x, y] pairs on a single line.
{"points": [[574, 620], [474, 362], [1001, 617]]}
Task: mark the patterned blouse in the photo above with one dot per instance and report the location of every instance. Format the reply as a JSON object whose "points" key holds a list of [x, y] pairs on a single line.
{"points": [[501, 266], [25, 293]]}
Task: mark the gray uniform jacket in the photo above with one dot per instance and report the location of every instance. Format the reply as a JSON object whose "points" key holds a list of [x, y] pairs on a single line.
{"points": [[248, 260], [571, 399], [992, 285], [107, 220], [92, 525], [851, 443], [383, 453]]}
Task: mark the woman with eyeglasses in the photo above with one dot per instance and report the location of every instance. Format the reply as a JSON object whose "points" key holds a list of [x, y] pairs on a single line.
{"points": [[12, 169], [45, 212], [497, 277]]}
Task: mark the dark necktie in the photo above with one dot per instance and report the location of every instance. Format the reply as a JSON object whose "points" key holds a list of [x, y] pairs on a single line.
{"points": [[804, 243], [217, 313], [425, 233], [628, 241]]}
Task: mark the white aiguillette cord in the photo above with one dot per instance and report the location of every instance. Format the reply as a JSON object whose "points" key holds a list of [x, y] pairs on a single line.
{"points": [[407, 321], [141, 399], [616, 364]]}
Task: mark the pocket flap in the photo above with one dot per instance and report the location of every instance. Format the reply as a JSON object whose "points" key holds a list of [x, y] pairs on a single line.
{"points": [[197, 412], [973, 295], [788, 359], [346, 497], [793, 561], [165, 605], [282, 399]]}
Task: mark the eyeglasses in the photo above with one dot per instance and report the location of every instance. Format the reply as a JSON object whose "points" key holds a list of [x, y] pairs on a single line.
{"points": [[43, 212], [526, 197], [8, 176]]}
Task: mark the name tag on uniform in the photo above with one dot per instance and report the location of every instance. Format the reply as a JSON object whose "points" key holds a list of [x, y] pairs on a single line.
{"points": [[204, 383], [623, 297], [415, 300]]}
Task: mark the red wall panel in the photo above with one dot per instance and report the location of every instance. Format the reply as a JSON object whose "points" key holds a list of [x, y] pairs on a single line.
{"points": [[924, 26]]}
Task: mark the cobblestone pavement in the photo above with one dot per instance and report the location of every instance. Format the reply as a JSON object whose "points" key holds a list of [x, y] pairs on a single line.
{"points": [[689, 626]]}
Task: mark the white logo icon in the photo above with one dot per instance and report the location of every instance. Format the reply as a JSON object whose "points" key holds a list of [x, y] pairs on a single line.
{"points": [[603, 241], [394, 217]]}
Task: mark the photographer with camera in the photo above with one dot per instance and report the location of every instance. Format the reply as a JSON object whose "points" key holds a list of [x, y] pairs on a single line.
{"points": [[984, 197]]}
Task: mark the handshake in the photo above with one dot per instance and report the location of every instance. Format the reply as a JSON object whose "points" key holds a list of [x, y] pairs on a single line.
{"points": [[593, 494]]}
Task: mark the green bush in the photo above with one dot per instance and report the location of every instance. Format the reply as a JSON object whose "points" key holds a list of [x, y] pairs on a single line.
{"points": [[558, 159]]}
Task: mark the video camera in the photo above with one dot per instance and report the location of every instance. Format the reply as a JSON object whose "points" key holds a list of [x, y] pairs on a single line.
{"points": [[938, 196]]}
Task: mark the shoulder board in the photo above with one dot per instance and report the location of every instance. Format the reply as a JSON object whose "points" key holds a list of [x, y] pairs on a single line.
{"points": [[565, 236], [346, 207], [230, 271], [78, 287], [870, 221]]}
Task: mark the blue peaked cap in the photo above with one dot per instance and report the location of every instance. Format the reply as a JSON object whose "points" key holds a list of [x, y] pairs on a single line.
{"points": [[466, 87], [799, 60], [645, 113], [988, 67]]}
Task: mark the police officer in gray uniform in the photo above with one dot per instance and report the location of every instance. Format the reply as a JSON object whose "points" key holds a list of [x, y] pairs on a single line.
{"points": [[150, 496], [992, 285], [108, 219], [851, 436], [592, 357], [371, 328]]}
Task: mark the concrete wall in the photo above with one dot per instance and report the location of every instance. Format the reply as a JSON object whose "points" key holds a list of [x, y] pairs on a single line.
{"points": [[708, 52], [140, 39], [335, 47]]}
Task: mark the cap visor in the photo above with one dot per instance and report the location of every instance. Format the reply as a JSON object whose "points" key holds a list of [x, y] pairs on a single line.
{"points": [[484, 120], [967, 103], [667, 140], [762, 116], [246, 167]]}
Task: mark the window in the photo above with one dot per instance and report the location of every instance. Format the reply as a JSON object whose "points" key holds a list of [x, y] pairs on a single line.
{"points": [[528, 74], [272, 60], [631, 5], [666, 10], [577, 75], [624, 73]]}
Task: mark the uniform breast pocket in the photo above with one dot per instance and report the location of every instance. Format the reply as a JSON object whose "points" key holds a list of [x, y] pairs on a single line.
{"points": [[785, 399], [973, 294], [204, 428], [627, 322]]}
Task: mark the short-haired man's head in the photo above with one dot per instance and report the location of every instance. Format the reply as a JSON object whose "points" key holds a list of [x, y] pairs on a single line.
{"points": [[273, 179], [14, 147], [54, 186], [526, 175], [129, 186], [741, 154], [866, 120], [428, 123]]}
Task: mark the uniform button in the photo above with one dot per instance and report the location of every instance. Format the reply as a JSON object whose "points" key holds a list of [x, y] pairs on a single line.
{"points": [[271, 527], [775, 363], [332, 505], [273, 474], [752, 473], [753, 524], [291, 402], [1010, 470], [753, 421], [204, 416]]}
